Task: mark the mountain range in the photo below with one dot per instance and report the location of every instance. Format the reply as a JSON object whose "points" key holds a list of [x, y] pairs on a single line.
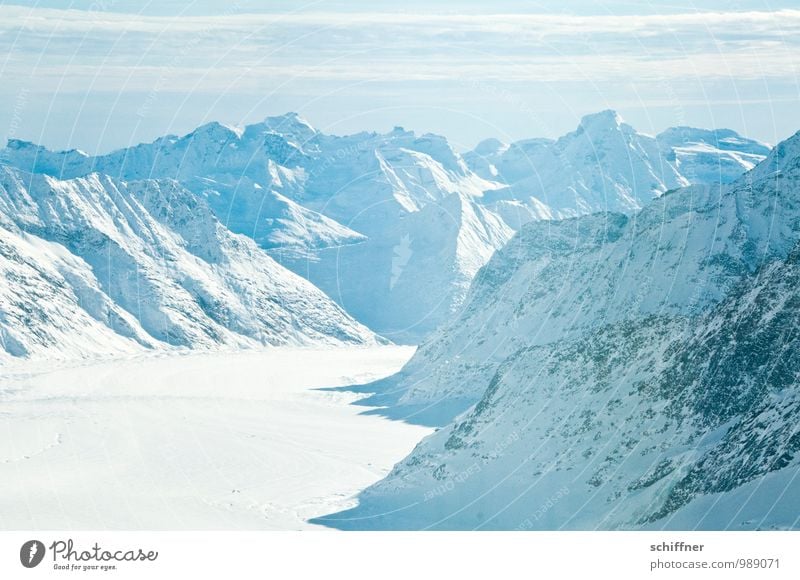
{"points": [[615, 371], [393, 227], [608, 321]]}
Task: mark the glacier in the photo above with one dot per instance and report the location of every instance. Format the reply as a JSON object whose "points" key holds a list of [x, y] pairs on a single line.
{"points": [[227, 440]]}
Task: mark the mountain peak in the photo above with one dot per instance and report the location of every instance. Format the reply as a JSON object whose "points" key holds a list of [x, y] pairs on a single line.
{"points": [[217, 130], [785, 156], [19, 144], [289, 122], [400, 130], [490, 146], [604, 120]]}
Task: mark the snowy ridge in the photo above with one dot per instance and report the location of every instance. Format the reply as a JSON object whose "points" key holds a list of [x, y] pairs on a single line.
{"points": [[149, 264], [606, 165], [632, 372], [274, 221], [336, 210], [679, 255], [52, 304], [704, 156]]}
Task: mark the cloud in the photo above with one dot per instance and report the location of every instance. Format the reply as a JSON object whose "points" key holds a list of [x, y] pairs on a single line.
{"points": [[33, 18], [243, 48], [339, 64]]}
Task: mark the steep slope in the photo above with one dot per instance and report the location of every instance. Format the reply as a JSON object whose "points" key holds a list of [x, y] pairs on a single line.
{"points": [[51, 302], [275, 222], [677, 255], [631, 374], [638, 425], [416, 273], [147, 261], [415, 201], [483, 159]]}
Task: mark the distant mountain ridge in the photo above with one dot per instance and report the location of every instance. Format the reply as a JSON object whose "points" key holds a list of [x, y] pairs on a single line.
{"points": [[606, 165], [338, 210]]}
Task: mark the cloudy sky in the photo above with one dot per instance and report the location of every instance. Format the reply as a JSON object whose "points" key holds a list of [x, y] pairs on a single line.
{"points": [[107, 73]]}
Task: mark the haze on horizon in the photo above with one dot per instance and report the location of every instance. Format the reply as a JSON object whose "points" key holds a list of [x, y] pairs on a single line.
{"points": [[105, 74]]}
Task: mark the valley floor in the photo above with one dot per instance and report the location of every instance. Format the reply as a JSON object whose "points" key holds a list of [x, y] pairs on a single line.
{"points": [[195, 441]]}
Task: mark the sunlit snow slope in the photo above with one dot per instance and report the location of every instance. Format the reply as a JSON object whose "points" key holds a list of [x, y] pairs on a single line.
{"points": [[93, 265]]}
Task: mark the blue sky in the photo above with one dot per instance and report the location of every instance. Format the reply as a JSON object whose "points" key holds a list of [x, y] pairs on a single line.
{"points": [[109, 73]]}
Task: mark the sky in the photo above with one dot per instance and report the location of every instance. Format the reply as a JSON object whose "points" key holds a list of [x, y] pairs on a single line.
{"points": [[98, 75]]}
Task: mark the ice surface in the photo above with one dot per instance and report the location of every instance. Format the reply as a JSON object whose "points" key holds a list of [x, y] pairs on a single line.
{"points": [[199, 441]]}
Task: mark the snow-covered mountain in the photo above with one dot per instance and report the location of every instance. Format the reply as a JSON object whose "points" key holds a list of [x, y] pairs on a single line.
{"points": [[704, 156], [606, 165], [394, 226], [95, 265], [369, 218], [274, 221], [617, 372], [427, 234], [415, 273]]}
